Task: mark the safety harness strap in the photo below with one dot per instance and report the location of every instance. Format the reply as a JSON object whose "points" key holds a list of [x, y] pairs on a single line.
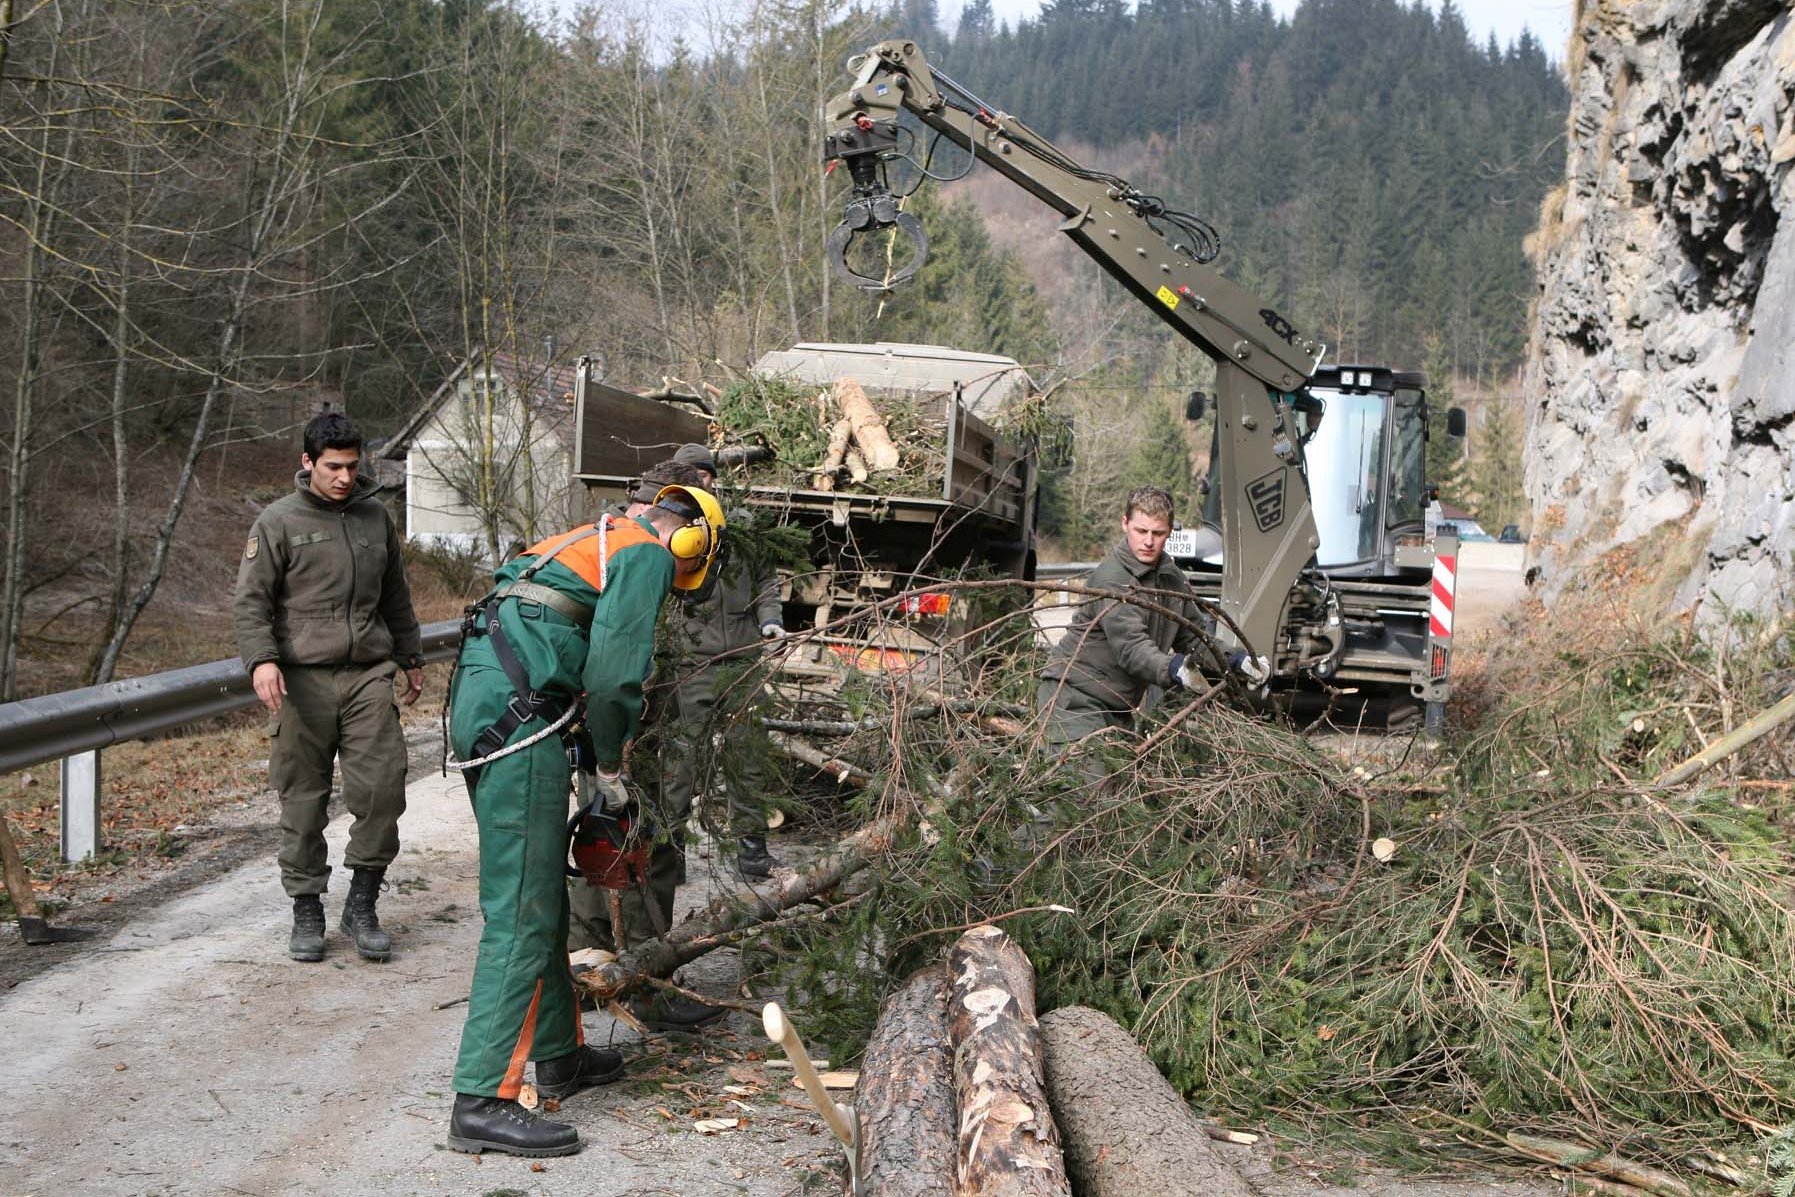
{"points": [[526, 702], [534, 592]]}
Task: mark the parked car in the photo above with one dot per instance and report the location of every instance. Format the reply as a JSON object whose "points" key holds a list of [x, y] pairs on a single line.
{"points": [[1471, 530], [1511, 534]]}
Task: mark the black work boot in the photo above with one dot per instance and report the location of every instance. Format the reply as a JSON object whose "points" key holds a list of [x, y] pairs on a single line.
{"points": [[671, 1012], [493, 1124], [753, 860], [579, 1069], [307, 940], [360, 921]]}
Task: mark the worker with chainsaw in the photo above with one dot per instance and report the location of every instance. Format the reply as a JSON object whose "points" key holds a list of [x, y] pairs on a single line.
{"points": [[643, 898], [623, 898], [1114, 652], [714, 629], [573, 614]]}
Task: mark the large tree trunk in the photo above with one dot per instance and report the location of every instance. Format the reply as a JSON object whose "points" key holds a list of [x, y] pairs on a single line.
{"points": [[1008, 1144], [1127, 1132], [904, 1099]]}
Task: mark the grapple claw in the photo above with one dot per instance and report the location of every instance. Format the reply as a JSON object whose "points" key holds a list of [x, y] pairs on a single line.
{"points": [[866, 216]]}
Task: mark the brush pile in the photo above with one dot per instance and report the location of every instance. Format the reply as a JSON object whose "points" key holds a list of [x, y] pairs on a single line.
{"points": [[1548, 944], [824, 438]]}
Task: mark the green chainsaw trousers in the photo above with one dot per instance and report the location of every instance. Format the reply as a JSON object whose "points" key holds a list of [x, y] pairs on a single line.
{"points": [[522, 1005]]}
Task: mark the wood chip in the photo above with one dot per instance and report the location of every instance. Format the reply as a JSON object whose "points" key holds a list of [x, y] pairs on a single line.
{"points": [[832, 1080], [716, 1126], [1222, 1135]]}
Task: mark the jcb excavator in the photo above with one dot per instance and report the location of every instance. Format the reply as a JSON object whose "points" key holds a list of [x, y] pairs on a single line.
{"points": [[1353, 594]]}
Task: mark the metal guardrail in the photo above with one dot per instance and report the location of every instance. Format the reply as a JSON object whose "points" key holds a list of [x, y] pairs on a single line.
{"points": [[75, 725], [1059, 571]]}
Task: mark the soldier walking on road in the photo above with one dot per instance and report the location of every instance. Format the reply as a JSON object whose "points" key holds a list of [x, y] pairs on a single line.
{"points": [[572, 615], [324, 623]]}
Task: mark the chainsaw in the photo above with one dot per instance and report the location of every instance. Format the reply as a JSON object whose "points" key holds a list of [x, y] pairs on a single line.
{"points": [[609, 848]]}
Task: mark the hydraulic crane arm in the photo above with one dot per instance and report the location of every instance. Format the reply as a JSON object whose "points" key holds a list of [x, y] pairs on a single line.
{"points": [[1159, 255]]}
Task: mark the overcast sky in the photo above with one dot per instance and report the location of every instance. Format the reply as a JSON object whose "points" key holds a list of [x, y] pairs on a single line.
{"points": [[1550, 20]]}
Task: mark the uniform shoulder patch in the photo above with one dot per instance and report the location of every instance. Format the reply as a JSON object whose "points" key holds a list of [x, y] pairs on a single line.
{"points": [[253, 547]]}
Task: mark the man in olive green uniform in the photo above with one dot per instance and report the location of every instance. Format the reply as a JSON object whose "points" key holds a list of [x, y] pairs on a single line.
{"points": [[324, 623], [740, 610], [1100, 671], [572, 621]]}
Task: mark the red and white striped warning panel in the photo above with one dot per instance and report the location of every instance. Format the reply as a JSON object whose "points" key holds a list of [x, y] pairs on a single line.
{"points": [[1445, 583]]}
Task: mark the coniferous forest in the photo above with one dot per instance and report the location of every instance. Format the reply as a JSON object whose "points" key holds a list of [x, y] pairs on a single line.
{"points": [[213, 215]]}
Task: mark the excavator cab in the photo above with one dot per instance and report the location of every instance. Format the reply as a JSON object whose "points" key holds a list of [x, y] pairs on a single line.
{"points": [[1365, 459], [1363, 617], [1364, 433]]}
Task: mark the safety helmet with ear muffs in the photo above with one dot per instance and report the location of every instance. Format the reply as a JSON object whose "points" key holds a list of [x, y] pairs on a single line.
{"points": [[702, 536]]}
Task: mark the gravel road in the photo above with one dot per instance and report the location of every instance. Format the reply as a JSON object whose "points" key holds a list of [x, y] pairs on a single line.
{"points": [[185, 1054]]}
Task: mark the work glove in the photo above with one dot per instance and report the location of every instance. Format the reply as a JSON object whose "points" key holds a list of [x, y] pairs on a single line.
{"points": [[1183, 672], [615, 793], [772, 630], [1253, 669]]}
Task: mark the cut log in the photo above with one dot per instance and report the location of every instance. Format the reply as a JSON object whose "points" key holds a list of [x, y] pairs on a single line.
{"points": [[868, 424], [855, 461], [1008, 1146], [824, 478], [1600, 1162], [743, 455], [845, 773], [905, 1098], [1126, 1130]]}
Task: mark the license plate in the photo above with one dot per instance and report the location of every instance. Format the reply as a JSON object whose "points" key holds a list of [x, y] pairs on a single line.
{"points": [[1182, 544]]}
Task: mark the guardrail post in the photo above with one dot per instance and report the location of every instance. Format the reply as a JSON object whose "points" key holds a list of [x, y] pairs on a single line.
{"points": [[80, 805]]}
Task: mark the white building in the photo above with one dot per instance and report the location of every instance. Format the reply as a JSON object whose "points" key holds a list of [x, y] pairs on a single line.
{"points": [[492, 445]]}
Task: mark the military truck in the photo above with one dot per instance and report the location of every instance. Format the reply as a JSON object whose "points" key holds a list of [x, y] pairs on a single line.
{"points": [[870, 551]]}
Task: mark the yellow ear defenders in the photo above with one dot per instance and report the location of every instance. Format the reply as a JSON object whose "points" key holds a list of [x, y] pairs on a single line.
{"points": [[700, 539]]}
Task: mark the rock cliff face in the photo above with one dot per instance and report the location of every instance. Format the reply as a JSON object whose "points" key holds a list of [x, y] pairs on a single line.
{"points": [[1662, 364]]}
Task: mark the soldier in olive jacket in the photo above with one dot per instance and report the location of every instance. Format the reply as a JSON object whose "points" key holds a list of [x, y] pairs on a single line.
{"points": [[324, 623], [1101, 670], [711, 631]]}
